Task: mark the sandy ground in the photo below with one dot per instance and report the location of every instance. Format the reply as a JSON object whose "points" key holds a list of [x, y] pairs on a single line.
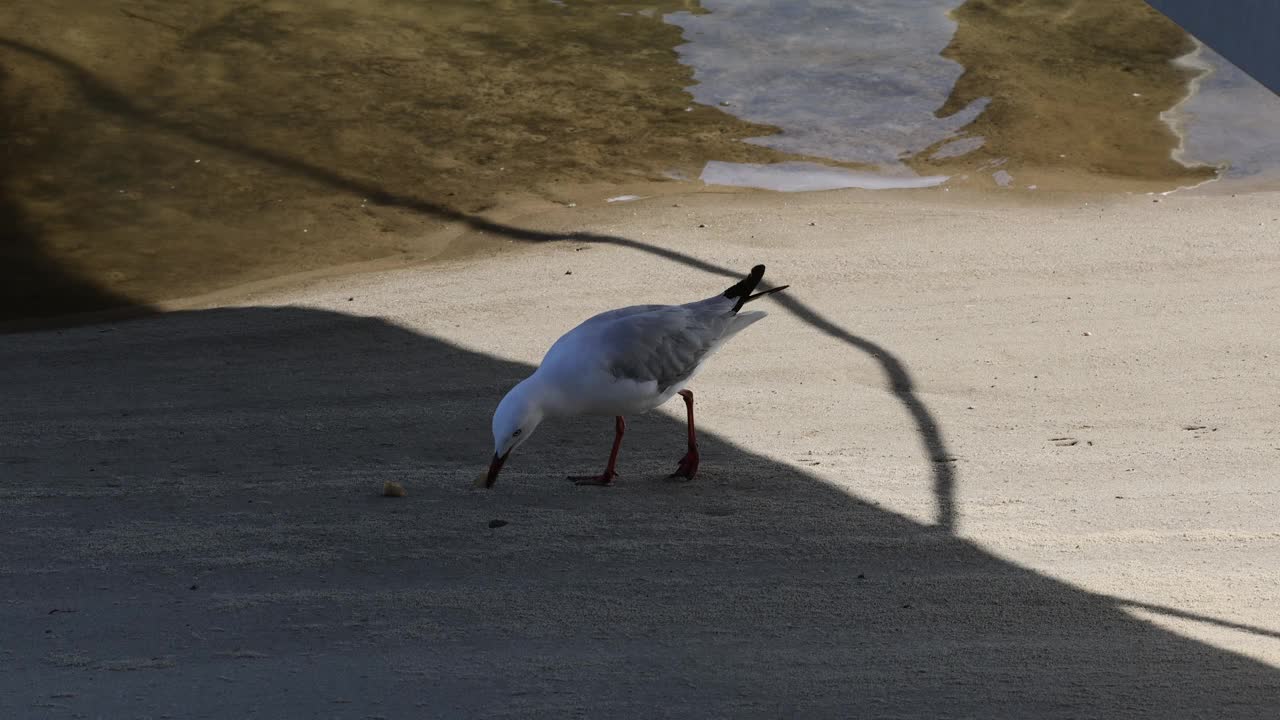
{"points": [[984, 460]]}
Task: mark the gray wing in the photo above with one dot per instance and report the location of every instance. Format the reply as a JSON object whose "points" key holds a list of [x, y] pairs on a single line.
{"points": [[664, 345], [610, 315]]}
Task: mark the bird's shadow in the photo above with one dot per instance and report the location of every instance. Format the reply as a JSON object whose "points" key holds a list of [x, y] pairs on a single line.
{"points": [[196, 497]]}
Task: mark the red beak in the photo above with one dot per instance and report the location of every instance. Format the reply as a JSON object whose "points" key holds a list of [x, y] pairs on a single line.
{"points": [[495, 467]]}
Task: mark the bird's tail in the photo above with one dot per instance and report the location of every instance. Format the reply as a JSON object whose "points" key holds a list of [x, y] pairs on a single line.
{"points": [[742, 291]]}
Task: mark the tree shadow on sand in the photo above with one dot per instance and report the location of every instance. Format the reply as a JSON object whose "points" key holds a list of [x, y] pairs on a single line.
{"points": [[194, 497]]}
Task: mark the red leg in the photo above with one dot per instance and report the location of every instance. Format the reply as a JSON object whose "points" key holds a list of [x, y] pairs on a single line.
{"points": [[689, 463], [606, 478]]}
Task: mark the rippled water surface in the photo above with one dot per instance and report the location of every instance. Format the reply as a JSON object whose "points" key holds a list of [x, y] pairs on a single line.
{"points": [[156, 149], [854, 82]]}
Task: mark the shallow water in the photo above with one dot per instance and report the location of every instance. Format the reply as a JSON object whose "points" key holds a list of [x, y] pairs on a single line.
{"points": [[1229, 121], [853, 82], [156, 150], [1056, 91]]}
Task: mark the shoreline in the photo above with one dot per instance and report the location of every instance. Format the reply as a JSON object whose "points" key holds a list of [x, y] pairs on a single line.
{"points": [[188, 179], [1174, 117]]}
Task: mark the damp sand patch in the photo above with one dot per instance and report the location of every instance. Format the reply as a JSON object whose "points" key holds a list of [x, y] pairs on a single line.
{"points": [[228, 144]]}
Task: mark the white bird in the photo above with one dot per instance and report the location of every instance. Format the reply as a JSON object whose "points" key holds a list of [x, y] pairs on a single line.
{"points": [[622, 362]]}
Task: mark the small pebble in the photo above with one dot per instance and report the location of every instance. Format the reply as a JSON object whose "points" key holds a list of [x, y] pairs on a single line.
{"points": [[1087, 333], [392, 489], [497, 523], [568, 272]]}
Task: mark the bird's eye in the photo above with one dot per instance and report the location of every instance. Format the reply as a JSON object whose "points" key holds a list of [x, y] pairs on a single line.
{"points": [[516, 433]]}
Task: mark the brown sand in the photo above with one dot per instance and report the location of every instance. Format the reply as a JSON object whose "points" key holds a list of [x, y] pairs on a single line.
{"points": [[161, 150], [983, 460]]}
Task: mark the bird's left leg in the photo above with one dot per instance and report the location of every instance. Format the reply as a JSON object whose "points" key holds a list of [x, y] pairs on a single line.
{"points": [[606, 478], [689, 463]]}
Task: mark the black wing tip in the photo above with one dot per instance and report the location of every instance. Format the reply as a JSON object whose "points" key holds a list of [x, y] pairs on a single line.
{"points": [[743, 288]]}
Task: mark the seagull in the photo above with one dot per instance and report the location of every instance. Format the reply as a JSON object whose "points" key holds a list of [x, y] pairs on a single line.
{"points": [[623, 362]]}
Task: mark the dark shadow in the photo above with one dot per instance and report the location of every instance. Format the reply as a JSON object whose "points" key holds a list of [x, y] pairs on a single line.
{"points": [[32, 284], [193, 528], [900, 382]]}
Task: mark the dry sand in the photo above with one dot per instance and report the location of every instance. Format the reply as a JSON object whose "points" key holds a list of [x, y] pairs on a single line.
{"points": [[984, 460]]}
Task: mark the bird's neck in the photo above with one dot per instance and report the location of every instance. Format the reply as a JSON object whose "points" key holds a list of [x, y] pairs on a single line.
{"points": [[541, 394]]}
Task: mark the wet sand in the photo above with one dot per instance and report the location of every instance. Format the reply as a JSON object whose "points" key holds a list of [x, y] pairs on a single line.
{"points": [[156, 151], [161, 151], [984, 459], [1075, 86]]}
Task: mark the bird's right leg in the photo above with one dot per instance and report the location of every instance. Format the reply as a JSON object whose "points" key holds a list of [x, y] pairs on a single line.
{"points": [[689, 463], [606, 478]]}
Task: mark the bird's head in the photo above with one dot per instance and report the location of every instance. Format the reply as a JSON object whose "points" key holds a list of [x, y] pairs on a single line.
{"points": [[517, 416]]}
